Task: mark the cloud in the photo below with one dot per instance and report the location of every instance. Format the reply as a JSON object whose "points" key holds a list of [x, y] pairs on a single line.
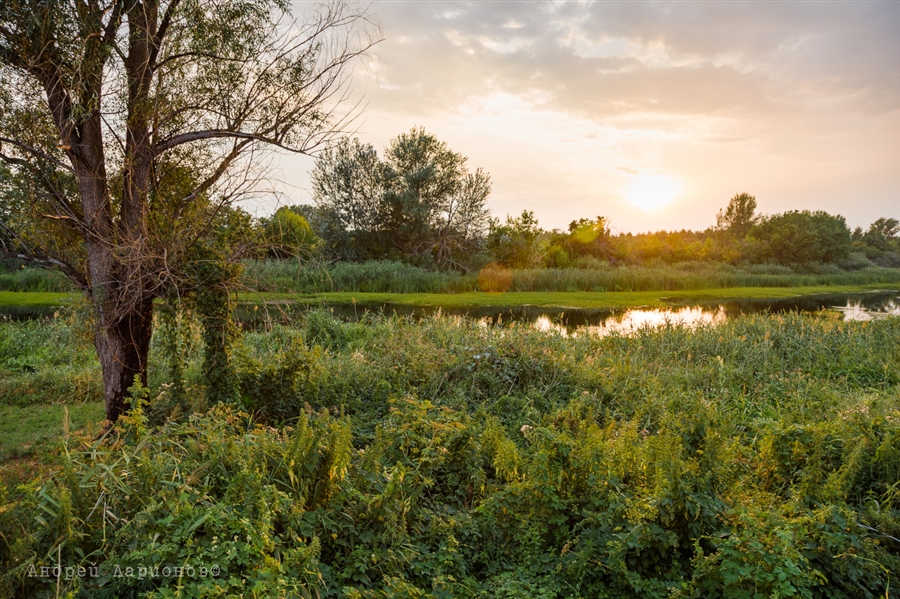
{"points": [[796, 102], [605, 59]]}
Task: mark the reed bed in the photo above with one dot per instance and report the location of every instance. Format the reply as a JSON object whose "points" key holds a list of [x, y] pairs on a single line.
{"points": [[396, 277]]}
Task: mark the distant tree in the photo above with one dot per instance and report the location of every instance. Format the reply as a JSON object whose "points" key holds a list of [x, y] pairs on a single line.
{"points": [[588, 238], [803, 237], [310, 212], [739, 217], [418, 203], [348, 184], [288, 234], [514, 244], [882, 233]]}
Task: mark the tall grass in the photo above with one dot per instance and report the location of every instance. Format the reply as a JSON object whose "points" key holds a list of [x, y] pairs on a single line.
{"points": [[373, 276], [757, 458], [395, 277], [591, 275], [689, 276], [34, 279], [49, 360]]}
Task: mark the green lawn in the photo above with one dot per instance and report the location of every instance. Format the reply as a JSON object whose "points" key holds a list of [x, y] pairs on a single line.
{"points": [[35, 299], [36, 428], [562, 299]]}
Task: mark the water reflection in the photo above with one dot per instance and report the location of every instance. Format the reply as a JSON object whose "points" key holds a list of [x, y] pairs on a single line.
{"points": [[856, 310], [569, 321], [592, 321], [629, 321], [632, 320]]}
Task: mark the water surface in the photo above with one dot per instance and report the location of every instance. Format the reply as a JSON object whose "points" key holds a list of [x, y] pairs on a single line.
{"points": [[601, 321], [593, 321]]}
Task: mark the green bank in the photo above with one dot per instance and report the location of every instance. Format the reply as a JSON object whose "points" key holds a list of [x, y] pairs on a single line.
{"points": [[570, 299], [35, 299], [574, 299]]}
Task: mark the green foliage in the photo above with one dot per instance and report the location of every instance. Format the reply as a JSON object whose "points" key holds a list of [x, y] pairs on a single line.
{"points": [[586, 238], [372, 276], [757, 458], [214, 273], [418, 204], [287, 234], [49, 361], [804, 237], [514, 244], [215, 494], [276, 389], [739, 217], [883, 234], [216, 309]]}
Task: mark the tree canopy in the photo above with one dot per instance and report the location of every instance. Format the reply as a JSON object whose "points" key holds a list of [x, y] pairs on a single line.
{"points": [[289, 234], [739, 217], [418, 203], [804, 237], [128, 126]]}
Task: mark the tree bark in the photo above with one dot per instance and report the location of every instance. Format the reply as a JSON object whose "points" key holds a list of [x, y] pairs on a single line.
{"points": [[123, 349]]}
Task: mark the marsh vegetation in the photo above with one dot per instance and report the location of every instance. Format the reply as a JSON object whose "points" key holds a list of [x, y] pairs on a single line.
{"points": [[387, 457]]}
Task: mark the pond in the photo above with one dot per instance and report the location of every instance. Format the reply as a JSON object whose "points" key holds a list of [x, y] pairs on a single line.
{"points": [[854, 306]]}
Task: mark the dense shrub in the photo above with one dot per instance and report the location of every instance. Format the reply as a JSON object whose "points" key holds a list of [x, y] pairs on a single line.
{"points": [[758, 458], [888, 260]]}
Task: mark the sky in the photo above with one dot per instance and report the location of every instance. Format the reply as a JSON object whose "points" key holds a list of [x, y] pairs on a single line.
{"points": [[652, 115]]}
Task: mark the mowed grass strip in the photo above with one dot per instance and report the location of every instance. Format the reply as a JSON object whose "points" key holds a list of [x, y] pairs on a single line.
{"points": [[36, 299], [33, 429], [574, 299], [561, 299]]}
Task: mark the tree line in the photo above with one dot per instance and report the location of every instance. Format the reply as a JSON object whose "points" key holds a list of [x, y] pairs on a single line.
{"points": [[420, 204]]}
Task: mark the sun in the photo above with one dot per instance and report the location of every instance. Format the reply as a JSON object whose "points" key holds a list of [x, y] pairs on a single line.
{"points": [[650, 191]]}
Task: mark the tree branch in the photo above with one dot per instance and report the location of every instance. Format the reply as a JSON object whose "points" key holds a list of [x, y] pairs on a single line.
{"points": [[36, 152], [156, 42], [167, 144]]}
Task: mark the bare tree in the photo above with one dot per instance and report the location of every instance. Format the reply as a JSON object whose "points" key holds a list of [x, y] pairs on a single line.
{"points": [[127, 125]]}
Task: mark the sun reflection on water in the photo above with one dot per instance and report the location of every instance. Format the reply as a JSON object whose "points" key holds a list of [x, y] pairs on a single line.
{"points": [[854, 310], [630, 321]]}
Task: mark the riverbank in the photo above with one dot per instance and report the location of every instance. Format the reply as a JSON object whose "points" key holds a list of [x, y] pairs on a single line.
{"points": [[571, 299]]}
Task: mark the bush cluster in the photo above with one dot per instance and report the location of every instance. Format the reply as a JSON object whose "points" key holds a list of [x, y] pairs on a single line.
{"points": [[388, 458]]}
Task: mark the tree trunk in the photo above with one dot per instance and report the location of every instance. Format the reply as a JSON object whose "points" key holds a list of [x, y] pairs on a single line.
{"points": [[123, 349]]}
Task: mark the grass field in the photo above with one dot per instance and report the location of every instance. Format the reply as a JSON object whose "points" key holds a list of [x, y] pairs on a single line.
{"points": [[36, 429], [27, 299]]}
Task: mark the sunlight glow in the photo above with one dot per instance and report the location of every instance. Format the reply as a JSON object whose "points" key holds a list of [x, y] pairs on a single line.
{"points": [[649, 191]]}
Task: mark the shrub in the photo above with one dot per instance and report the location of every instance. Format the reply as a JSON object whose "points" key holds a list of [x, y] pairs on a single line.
{"points": [[756, 458]]}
